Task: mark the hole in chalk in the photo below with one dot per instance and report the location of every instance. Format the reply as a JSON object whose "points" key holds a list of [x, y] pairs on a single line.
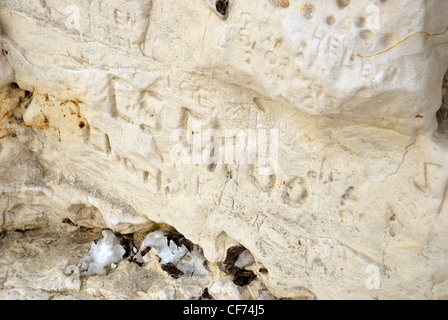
{"points": [[235, 267], [263, 270], [366, 35], [145, 176], [308, 11], [360, 22], [342, 3], [206, 295], [243, 277], [127, 244], [221, 6], [330, 20], [69, 222], [442, 114], [387, 40]]}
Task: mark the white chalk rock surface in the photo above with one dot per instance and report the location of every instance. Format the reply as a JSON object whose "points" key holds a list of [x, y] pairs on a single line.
{"points": [[346, 199]]}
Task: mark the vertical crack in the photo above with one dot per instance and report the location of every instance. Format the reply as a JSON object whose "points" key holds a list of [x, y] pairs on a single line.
{"points": [[442, 114]]}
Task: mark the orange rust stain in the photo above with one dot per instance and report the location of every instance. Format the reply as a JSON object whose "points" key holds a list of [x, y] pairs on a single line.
{"points": [[236, 36], [419, 116], [4, 116], [13, 135], [42, 124], [76, 102], [282, 3], [306, 138], [428, 35], [276, 43], [46, 97], [303, 7]]}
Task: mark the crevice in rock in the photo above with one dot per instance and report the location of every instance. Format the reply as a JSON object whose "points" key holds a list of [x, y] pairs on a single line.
{"points": [[237, 259], [172, 270], [69, 222], [442, 114], [206, 295]]}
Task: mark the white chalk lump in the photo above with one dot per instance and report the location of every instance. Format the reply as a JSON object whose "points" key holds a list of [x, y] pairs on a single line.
{"points": [[101, 255], [177, 255]]}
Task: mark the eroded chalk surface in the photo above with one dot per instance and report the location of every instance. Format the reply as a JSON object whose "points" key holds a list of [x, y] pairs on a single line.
{"points": [[106, 114]]}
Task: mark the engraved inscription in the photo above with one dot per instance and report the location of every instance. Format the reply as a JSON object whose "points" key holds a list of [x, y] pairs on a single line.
{"points": [[122, 24]]}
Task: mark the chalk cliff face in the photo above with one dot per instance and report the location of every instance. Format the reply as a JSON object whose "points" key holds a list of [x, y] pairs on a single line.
{"points": [[122, 115]]}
